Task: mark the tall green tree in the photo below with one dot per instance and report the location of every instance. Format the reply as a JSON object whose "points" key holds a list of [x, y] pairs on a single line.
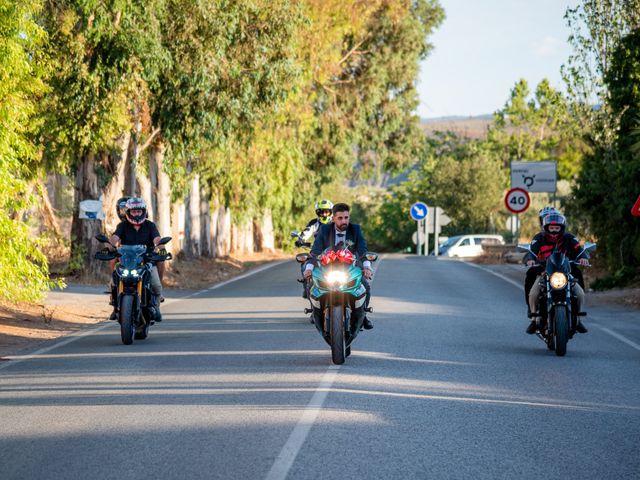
{"points": [[23, 267], [609, 182], [538, 126]]}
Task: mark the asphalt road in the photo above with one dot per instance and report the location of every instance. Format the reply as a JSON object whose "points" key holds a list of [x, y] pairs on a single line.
{"points": [[236, 384]]}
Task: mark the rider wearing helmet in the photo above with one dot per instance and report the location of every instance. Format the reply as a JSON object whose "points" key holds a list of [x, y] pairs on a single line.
{"points": [[323, 217], [120, 208], [324, 214], [138, 230], [533, 272], [554, 237]]}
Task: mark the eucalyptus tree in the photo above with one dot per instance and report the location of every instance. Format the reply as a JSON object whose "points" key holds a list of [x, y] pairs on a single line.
{"points": [[105, 56], [233, 67], [23, 267]]}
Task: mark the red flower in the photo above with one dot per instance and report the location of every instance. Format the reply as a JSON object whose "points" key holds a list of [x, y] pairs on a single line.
{"points": [[328, 257]]}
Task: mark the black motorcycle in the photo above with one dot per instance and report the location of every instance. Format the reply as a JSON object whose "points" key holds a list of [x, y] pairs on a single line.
{"points": [[559, 315], [337, 296], [137, 309]]}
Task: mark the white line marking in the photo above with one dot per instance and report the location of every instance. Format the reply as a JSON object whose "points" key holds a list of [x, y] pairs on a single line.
{"points": [[77, 335], [622, 338], [512, 282], [248, 274], [67, 339], [290, 451]]}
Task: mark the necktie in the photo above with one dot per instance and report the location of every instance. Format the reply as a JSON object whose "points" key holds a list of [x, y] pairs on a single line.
{"points": [[339, 237]]}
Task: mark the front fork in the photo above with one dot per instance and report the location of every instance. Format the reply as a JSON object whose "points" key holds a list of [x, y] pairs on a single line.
{"points": [[551, 305]]}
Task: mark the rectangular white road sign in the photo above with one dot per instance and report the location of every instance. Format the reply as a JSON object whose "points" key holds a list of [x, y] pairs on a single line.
{"points": [[534, 176]]}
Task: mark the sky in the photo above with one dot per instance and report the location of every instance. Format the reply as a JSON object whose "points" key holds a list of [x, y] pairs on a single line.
{"points": [[484, 47]]}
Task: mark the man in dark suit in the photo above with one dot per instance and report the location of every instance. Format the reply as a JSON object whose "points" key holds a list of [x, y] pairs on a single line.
{"points": [[336, 233]]}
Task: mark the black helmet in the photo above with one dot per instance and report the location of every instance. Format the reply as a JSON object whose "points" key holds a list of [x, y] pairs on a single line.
{"points": [[120, 208], [554, 219], [136, 204]]}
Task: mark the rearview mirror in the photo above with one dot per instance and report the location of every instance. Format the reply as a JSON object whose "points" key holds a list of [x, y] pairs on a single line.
{"points": [[164, 240], [302, 257], [590, 246], [295, 234], [372, 257], [102, 238]]}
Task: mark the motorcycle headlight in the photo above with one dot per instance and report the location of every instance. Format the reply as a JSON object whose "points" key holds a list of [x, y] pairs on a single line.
{"points": [[336, 277], [558, 280], [125, 273], [134, 273]]}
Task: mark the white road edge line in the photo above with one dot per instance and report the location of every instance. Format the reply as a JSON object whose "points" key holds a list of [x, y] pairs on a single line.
{"points": [[620, 337], [245, 275], [77, 335], [499, 275], [289, 452]]}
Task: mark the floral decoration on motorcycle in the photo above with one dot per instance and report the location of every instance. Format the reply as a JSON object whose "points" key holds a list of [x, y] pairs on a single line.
{"points": [[342, 256]]}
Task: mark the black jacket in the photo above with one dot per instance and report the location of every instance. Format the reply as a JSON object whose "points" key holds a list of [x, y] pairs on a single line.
{"points": [[326, 239], [568, 244]]}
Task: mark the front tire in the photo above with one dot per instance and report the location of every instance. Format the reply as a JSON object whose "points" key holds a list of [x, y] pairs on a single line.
{"points": [[126, 320], [561, 330], [338, 350]]}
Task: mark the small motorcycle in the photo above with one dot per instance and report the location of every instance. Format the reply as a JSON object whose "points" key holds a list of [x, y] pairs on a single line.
{"points": [[337, 296], [136, 309], [557, 306]]}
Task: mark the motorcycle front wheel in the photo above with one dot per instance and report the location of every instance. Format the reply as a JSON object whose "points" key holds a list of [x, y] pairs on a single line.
{"points": [[338, 351], [127, 328], [561, 326]]}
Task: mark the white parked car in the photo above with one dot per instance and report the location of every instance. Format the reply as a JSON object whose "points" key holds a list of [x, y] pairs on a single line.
{"points": [[468, 245]]}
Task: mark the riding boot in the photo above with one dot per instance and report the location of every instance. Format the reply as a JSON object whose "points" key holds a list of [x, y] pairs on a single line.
{"points": [[114, 301], [155, 305]]}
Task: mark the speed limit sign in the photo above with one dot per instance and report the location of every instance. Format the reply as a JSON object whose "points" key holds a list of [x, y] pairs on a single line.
{"points": [[517, 200]]}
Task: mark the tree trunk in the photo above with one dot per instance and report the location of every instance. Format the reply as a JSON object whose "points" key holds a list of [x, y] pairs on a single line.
{"points": [[48, 214], [222, 217], [242, 237], [134, 152], [160, 188], [192, 227], [117, 163], [83, 244], [144, 186], [266, 227], [177, 227], [206, 240]]}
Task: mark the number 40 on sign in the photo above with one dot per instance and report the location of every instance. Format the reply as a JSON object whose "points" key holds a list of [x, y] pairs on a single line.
{"points": [[517, 200]]}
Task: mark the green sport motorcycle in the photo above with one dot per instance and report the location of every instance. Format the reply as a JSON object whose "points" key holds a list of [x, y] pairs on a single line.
{"points": [[337, 296]]}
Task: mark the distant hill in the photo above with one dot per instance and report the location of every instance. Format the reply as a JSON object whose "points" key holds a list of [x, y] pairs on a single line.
{"points": [[470, 127]]}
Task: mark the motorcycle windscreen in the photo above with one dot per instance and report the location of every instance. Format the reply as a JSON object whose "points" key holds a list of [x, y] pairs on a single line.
{"points": [[557, 262], [131, 255]]}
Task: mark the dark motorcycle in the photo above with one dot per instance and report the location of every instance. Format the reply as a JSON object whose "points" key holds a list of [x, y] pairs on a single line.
{"points": [[337, 296], [556, 304], [300, 243], [137, 310]]}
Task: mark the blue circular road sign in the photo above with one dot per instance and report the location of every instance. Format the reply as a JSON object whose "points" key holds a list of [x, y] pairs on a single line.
{"points": [[419, 211]]}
